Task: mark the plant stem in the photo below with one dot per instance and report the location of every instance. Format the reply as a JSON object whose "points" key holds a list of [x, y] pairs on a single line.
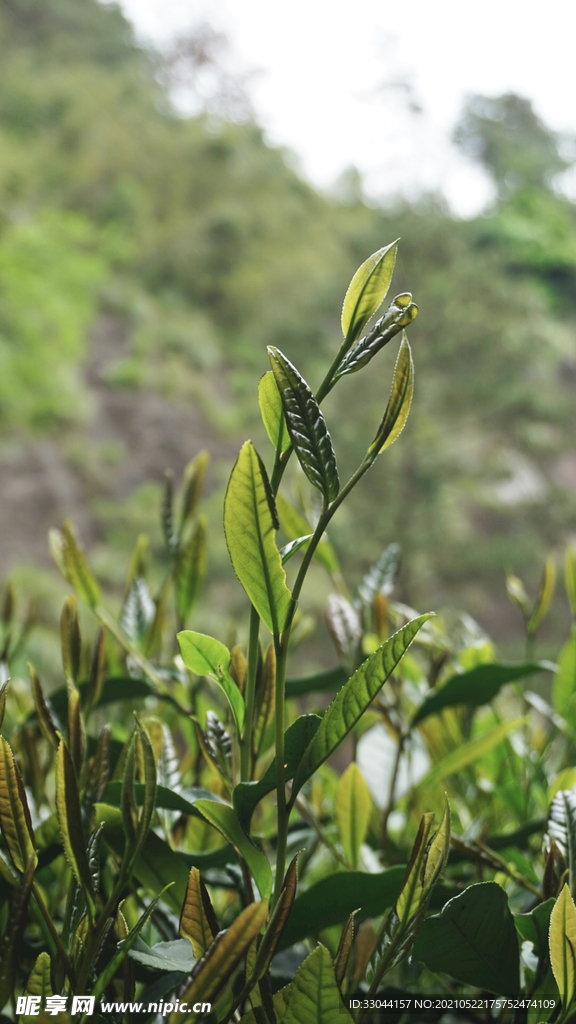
{"points": [[281, 648], [246, 742]]}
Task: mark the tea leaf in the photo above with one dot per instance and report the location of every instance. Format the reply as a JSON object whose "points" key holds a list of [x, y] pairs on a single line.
{"points": [[544, 598], [167, 514], [562, 938], [43, 711], [39, 983], [222, 957], [352, 808], [76, 731], [473, 940], [99, 768], [381, 577], [278, 922], [70, 638], [11, 941], [314, 994], [206, 656], [293, 547], [171, 956], [467, 753], [326, 681], [344, 625], [267, 698], [190, 570], [70, 820], [272, 412], [477, 686], [15, 820], [564, 684], [193, 483], [198, 921], [74, 566], [295, 526], [561, 827], [97, 669], [3, 696], [367, 291], [399, 402], [248, 794], [223, 817], [306, 426], [249, 524], [343, 952], [399, 314], [412, 894], [570, 576], [437, 854], [353, 699], [144, 744]]}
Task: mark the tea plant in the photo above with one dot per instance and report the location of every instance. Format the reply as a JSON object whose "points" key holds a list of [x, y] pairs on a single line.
{"points": [[207, 854]]}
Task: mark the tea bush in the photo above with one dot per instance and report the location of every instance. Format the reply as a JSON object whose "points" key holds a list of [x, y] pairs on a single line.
{"points": [[174, 829]]}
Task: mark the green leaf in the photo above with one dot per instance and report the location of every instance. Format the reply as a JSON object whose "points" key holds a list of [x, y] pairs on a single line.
{"points": [[43, 711], [277, 923], [367, 291], [70, 638], [145, 746], [197, 921], [184, 801], [206, 656], [381, 577], [325, 681], [295, 526], [293, 546], [72, 563], [164, 956], [39, 983], [563, 946], [352, 808], [3, 696], [412, 893], [564, 684], [477, 686], [570, 576], [544, 598], [192, 489], [353, 699], [561, 827], [272, 412], [534, 927], [11, 940], [399, 402], [248, 794], [314, 995], [306, 426], [331, 901], [467, 753], [224, 818], [70, 820], [249, 524], [473, 940], [217, 966], [15, 820], [190, 569], [399, 314], [344, 948]]}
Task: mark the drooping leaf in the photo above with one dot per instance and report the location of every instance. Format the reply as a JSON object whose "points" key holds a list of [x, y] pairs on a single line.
{"points": [[184, 801], [402, 312], [314, 995], [562, 938], [561, 827], [248, 794], [176, 955], [468, 753], [353, 699], [206, 656], [70, 819], [306, 426], [296, 526], [544, 598], [198, 921], [473, 940], [476, 687], [367, 291], [352, 809], [217, 966], [15, 820], [564, 684], [399, 402], [224, 818], [190, 569], [249, 524], [272, 412]]}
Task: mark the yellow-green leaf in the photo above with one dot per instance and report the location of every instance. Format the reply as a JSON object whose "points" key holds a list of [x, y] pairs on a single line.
{"points": [[43, 712], [71, 560], [412, 892], [272, 412], [193, 482], [570, 576], [70, 638], [438, 851], [545, 595], [367, 290], [197, 920], [295, 526], [469, 752], [399, 402], [314, 996], [190, 569], [223, 817], [3, 696], [206, 656], [70, 819], [562, 938], [222, 957], [39, 983], [250, 524], [15, 820], [352, 808]]}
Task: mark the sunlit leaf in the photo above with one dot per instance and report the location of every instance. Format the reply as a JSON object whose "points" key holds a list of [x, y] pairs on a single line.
{"points": [[198, 921], [224, 818], [544, 598], [352, 808], [561, 827], [563, 945], [399, 314], [3, 696], [70, 819], [306, 426], [15, 820], [192, 490], [206, 656], [272, 412], [314, 995], [564, 684], [468, 753], [354, 698], [190, 569], [399, 402], [249, 524], [367, 291], [70, 638], [71, 561], [39, 983], [296, 526]]}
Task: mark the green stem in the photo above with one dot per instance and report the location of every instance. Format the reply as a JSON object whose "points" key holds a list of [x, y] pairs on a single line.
{"points": [[281, 647], [246, 743]]}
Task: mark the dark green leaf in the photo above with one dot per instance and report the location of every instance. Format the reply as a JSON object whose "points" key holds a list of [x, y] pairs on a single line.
{"points": [[367, 291], [192, 490], [70, 638], [477, 686], [248, 794], [138, 611], [353, 699], [306, 426], [183, 802], [249, 524], [70, 820], [164, 956], [474, 940], [326, 681], [533, 927]]}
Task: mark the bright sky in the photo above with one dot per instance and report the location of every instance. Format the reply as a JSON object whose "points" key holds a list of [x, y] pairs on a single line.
{"points": [[325, 74]]}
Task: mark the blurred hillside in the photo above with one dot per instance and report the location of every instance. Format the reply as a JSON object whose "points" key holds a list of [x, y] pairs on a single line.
{"points": [[147, 259]]}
